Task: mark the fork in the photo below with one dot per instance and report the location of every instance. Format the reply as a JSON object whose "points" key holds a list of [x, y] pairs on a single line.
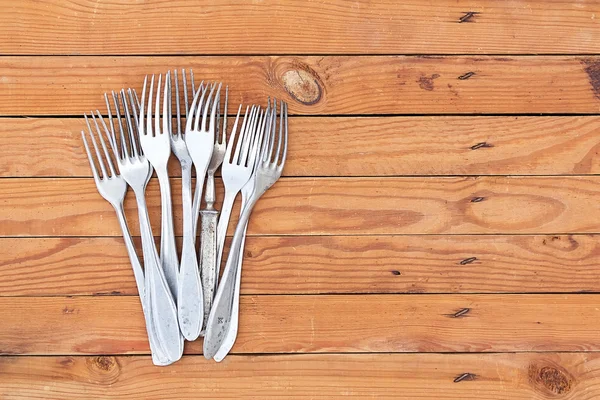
{"points": [[113, 188], [200, 138], [209, 215], [136, 170], [189, 297], [156, 144], [235, 173], [269, 168], [246, 191]]}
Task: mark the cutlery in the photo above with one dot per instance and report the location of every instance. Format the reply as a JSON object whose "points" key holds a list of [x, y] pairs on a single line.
{"points": [[136, 170], [189, 288], [268, 170], [113, 188], [245, 192], [156, 144]]}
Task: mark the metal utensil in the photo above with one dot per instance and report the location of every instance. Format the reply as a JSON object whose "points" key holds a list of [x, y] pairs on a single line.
{"points": [[157, 147], [209, 215], [136, 170], [189, 296], [268, 171], [246, 191]]}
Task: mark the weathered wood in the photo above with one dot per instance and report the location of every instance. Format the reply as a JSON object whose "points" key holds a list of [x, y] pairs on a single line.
{"points": [[319, 264], [318, 323], [361, 27], [320, 85], [379, 146], [527, 376], [328, 206]]}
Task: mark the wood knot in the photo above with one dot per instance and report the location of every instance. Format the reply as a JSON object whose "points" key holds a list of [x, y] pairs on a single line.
{"points": [[550, 379], [303, 85], [103, 369], [426, 82]]}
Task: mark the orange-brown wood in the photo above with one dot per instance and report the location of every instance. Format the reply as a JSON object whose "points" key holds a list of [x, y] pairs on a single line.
{"points": [[318, 323], [528, 376], [319, 84], [319, 264], [380, 146], [328, 206], [360, 27]]}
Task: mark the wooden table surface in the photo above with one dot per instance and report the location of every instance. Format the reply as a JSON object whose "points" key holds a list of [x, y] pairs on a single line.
{"points": [[435, 234]]}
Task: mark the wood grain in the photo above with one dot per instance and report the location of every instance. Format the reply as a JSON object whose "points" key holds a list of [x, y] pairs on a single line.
{"points": [[361, 27], [381, 146], [321, 323], [320, 85], [528, 376], [319, 264], [328, 206]]}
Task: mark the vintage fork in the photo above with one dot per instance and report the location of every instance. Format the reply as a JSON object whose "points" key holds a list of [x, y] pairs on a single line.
{"points": [[246, 191], [235, 173], [156, 144], [113, 188], [209, 215], [136, 170], [200, 138], [268, 170], [190, 295]]}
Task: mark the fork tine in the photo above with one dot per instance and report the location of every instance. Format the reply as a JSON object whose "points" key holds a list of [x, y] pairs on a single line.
{"points": [[285, 142], [98, 156], [280, 138], [232, 138], [177, 107], [131, 149], [166, 115], [149, 108], [238, 146], [157, 129], [216, 107], [90, 158], [198, 111], [124, 147], [128, 123], [192, 109], [136, 136], [102, 143], [224, 137], [268, 148], [207, 105], [192, 81]]}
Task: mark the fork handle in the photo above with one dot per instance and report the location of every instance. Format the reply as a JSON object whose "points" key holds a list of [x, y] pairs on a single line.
{"points": [[158, 356], [190, 297], [157, 293], [168, 249], [226, 210], [220, 314], [208, 258]]}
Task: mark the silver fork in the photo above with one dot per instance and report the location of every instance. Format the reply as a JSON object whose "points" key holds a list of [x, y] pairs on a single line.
{"points": [[136, 170], [113, 188], [209, 215], [268, 170], [246, 191], [235, 173], [200, 138], [156, 144], [190, 295]]}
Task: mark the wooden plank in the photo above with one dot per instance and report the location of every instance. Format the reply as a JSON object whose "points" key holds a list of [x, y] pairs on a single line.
{"points": [[362, 27], [320, 85], [320, 264], [328, 206], [318, 323], [380, 146], [528, 376]]}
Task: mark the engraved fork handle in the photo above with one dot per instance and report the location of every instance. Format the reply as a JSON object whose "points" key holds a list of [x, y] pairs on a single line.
{"points": [[158, 356], [190, 297], [168, 250], [158, 295], [220, 314]]}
